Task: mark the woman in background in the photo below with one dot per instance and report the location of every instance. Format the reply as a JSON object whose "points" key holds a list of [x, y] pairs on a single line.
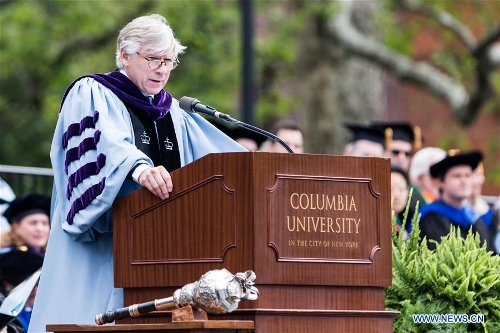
{"points": [[28, 217], [400, 194]]}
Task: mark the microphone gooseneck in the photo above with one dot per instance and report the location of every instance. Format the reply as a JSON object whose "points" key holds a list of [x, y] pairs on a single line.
{"points": [[193, 105]]}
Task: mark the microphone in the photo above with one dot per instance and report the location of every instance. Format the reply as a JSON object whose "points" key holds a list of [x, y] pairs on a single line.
{"points": [[193, 105]]}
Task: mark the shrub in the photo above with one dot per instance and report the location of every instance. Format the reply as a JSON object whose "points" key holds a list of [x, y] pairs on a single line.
{"points": [[459, 277]]}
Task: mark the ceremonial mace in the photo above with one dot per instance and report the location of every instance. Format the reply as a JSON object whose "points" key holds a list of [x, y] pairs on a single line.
{"points": [[216, 292]]}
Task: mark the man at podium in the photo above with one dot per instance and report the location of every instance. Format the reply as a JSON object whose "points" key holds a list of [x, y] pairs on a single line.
{"points": [[116, 132]]}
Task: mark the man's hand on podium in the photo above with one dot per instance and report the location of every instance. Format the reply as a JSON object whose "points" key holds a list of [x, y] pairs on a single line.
{"points": [[157, 180]]}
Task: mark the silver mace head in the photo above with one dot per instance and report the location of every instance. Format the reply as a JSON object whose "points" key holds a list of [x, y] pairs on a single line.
{"points": [[218, 291]]}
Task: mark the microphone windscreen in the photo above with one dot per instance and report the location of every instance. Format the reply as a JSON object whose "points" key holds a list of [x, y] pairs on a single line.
{"points": [[187, 103]]}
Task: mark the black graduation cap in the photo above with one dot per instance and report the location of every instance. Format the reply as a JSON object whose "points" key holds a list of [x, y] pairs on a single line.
{"points": [[17, 263], [403, 131], [364, 132], [472, 159], [26, 205]]}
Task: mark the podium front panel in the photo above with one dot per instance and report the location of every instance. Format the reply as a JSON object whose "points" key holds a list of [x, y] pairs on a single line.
{"points": [[327, 220], [314, 228]]}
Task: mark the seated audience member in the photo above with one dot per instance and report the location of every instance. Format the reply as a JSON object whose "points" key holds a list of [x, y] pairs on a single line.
{"points": [[16, 265], [365, 141], [419, 173], [400, 194], [248, 139], [287, 130], [27, 238], [10, 326], [402, 140], [28, 216], [454, 175], [245, 137], [476, 199], [496, 233]]}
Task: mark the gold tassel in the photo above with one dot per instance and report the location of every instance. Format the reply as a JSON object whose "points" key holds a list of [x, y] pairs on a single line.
{"points": [[417, 142], [480, 168], [388, 137]]}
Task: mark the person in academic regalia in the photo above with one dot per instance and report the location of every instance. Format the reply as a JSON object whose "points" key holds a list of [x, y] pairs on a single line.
{"points": [[16, 265], [29, 218], [23, 246], [496, 227], [476, 200], [11, 325], [454, 174], [116, 132], [419, 173], [365, 141], [400, 186], [402, 140]]}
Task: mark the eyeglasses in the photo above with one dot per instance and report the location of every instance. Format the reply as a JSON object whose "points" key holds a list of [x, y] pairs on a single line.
{"points": [[154, 63], [396, 152]]}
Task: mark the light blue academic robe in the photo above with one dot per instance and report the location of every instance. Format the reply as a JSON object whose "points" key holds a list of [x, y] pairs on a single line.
{"points": [[77, 277]]}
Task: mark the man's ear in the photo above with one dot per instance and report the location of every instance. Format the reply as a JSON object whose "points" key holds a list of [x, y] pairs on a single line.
{"points": [[125, 57], [440, 183]]}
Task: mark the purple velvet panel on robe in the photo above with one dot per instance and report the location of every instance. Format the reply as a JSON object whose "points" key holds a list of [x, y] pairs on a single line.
{"points": [[78, 128], [87, 197], [89, 169], [86, 145], [127, 91]]}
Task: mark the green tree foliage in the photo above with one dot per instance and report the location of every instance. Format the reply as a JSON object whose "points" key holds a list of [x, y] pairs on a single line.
{"points": [[451, 55], [459, 277], [47, 44]]}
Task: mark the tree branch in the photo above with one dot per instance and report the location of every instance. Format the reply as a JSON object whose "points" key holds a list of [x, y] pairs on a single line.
{"points": [[443, 18], [485, 56], [465, 106], [491, 37], [418, 72]]}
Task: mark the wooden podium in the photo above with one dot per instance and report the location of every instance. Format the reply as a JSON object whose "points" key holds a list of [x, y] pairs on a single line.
{"points": [[315, 229]]}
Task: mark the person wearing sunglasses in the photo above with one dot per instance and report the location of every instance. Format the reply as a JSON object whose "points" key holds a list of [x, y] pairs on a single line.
{"points": [[402, 140], [116, 132]]}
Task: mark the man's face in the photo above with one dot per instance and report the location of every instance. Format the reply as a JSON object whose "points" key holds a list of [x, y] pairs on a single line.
{"points": [[293, 138], [400, 153], [367, 148], [149, 81], [456, 185], [477, 183]]}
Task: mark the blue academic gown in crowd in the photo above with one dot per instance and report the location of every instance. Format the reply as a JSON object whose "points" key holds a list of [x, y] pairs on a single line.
{"points": [[437, 218], [76, 282]]}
